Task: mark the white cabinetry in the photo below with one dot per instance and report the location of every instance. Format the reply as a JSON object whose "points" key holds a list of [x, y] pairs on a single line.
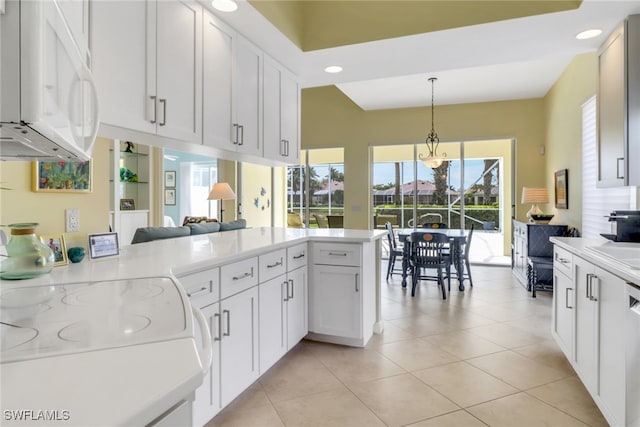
{"points": [[618, 106], [247, 97], [281, 113], [76, 13], [341, 296], [147, 63], [595, 328], [283, 303]]}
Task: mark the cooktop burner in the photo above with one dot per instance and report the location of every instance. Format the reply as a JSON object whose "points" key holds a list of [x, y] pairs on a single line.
{"points": [[68, 318]]}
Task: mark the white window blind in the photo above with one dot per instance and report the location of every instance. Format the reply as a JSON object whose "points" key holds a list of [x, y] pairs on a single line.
{"points": [[596, 202]]}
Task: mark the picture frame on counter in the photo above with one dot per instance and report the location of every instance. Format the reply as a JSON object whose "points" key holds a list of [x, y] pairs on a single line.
{"points": [[170, 196], [169, 179], [103, 245], [62, 177], [127, 205], [58, 246]]}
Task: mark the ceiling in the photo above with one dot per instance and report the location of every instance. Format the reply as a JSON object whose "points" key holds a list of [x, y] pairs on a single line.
{"points": [[479, 50]]}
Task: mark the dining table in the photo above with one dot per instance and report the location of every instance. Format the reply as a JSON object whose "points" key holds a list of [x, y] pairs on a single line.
{"points": [[457, 237]]}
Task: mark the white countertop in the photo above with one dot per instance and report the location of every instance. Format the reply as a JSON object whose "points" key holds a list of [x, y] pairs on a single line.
{"points": [[122, 386], [579, 246]]}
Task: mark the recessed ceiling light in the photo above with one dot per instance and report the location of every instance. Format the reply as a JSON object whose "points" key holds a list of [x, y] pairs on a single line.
{"points": [[589, 34], [224, 5], [333, 69]]}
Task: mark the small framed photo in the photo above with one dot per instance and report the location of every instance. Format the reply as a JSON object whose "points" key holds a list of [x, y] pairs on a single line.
{"points": [[170, 196], [562, 189], [127, 205], [57, 245], [103, 244], [170, 179]]}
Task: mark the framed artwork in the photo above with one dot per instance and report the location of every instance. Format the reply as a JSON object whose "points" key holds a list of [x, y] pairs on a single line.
{"points": [[127, 204], [170, 179], [103, 244], [62, 177], [170, 196], [57, 245], [561, 181]]}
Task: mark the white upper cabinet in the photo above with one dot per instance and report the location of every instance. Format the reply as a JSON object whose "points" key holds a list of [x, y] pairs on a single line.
{"points": [[247, 97], [217, 84], [281, 112], [147, 62], [76, 13]]}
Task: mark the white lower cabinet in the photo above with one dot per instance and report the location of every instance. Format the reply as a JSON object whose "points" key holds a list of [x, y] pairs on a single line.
{"points": [[342, 293], [207, 398], [591, 333]]}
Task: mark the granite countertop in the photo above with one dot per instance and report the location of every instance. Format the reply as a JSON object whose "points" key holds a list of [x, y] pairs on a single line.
{"points": [[580, 247]]}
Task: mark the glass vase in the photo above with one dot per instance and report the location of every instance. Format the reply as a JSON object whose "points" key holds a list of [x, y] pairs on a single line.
{"points": [[27, 256]]}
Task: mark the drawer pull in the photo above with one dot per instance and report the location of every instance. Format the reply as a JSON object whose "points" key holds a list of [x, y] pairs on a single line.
{"points": [[299, 256], [244, 276], [338, 254], [276, 264], [199, 291]]}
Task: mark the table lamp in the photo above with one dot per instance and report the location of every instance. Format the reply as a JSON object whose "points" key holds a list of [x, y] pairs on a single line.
{"points": [[221, 191], [535, 195]]}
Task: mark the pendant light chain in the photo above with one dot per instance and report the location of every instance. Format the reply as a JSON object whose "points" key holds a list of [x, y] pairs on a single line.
{"points": [[432, 138]]}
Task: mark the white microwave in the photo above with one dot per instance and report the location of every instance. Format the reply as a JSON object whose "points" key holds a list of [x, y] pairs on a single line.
{"points": [[48, 100]]}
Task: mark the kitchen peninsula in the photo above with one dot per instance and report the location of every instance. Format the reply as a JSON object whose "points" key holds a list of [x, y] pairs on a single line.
{"points": [[327, 281]]}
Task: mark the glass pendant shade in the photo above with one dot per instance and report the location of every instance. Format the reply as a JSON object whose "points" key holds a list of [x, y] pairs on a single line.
{"points": [[433, 161]]}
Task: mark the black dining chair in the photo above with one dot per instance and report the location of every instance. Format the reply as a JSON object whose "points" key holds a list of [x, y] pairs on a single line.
{"points": [[427, 252], [434, 225], [395, 251], [466, 249]]}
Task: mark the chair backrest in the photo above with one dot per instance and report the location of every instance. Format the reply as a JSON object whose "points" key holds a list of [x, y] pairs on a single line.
{"points": [[321, 220], [434, 225], [391, 235], [538, 243], [467, 243], [335, 221], [294, 220], [426, 249]]}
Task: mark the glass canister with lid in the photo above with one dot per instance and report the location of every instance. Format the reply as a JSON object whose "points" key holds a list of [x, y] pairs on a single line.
{"points": [[27, 256]]}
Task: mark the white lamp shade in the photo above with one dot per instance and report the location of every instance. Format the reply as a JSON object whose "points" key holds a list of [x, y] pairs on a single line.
{"points": [[221, 191], [534, 195]]}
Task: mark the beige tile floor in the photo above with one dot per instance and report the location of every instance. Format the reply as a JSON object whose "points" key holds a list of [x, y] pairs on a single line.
{"points": [[484, 356]]}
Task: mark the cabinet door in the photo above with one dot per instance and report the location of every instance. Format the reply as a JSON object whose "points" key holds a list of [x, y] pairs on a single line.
{"points": [[207, 399], [297, 303], [239, 348], [179, 70], [290, 115], [273, 141], [335, 301], [247, 97], [586, 323], [119, 38], [273, 321], [217, 83], [129, 223], [76, 13], [611, 111], [610, 293], [563, 312]]}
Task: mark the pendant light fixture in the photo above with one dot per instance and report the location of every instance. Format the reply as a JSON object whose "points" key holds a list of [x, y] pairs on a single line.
{"points": [[433, 161]]}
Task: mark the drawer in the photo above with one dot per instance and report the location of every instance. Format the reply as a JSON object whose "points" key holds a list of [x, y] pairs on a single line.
{"points": [[296, 256], [203, 288], [272, 265], [336, 254], [238, 276], [563, 261]]}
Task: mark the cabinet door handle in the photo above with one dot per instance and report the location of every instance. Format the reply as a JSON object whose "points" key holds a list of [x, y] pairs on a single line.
{"points": [[155, 109], [199, 291], [241, 140], [357, 288], [287, 147], [219, 336], [591, 297], [283, 149], [566, 297], [275, 264], [587, 285], [164, 112], [235, 127], [228, 332], [290, 282], [618, 167], [285, 298]]}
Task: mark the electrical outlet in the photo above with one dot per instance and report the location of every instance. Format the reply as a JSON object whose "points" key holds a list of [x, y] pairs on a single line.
{"points": [[73, 220]]}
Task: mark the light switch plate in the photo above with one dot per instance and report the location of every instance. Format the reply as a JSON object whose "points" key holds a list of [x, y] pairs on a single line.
{"points": [[73, 220]]}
